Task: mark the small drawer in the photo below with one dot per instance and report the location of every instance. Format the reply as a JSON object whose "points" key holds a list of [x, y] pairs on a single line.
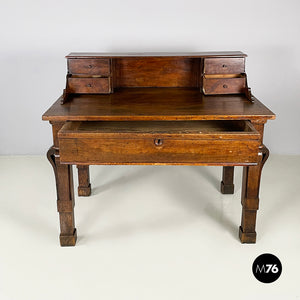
{"points": [[159, 142], [213, 85], [89, 85], [86, 66], [224, 65]]}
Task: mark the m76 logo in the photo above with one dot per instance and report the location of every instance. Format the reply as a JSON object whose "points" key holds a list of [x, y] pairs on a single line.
{"points": [[267, 268]]}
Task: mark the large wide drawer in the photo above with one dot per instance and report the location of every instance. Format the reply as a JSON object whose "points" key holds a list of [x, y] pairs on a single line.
{"points": [[182, 142], [90, 66]]}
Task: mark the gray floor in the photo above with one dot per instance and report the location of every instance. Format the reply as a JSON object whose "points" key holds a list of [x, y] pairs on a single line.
{"points": [[147, 232]]}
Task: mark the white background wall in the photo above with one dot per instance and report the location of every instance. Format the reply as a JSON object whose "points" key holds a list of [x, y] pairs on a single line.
{"points": [[36, 35]]}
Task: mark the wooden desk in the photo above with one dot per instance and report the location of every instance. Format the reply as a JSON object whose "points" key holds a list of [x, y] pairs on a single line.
{"points": [[157, 109]]}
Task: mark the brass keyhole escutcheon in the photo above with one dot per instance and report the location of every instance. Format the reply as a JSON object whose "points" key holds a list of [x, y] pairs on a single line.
{"points": [[225, 86], [158, 142]]}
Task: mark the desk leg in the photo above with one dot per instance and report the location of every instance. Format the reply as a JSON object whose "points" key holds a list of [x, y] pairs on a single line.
{"points": [[227, 186], [65, 198], [250, 198], [84, 185]]}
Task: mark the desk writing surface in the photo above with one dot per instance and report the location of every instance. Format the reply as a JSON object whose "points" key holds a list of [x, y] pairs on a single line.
{"points": [[168, 104], [156, 54]]}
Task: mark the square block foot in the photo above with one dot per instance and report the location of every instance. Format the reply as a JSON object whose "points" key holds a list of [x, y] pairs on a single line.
{"points": [[247, 237], [84, 191], [68, 240], [227, 188]]}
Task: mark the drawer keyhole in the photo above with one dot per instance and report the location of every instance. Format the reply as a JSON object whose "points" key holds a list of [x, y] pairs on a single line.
{"points": [[225, 86], [89, 85], [158, 142], [224, 66], [90, 66]]}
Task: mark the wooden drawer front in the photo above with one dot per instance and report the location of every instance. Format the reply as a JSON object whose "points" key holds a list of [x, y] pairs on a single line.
{"points": [[224, 65], [213, 86], [97, 66], [156, 151], [153, 143], [89, 85]]}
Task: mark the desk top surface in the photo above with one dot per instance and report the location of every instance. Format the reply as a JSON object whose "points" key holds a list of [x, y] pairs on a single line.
{"points": [[156, 54], [154, 104]]}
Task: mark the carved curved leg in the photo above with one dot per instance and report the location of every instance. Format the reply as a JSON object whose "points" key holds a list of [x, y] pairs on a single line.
{"points": [[250, 198], [65, 198], [51, 158], [227, 186], [84, 185]]}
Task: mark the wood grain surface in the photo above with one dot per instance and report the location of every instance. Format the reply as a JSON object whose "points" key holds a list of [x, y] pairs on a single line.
{"points": [[134, 104]]}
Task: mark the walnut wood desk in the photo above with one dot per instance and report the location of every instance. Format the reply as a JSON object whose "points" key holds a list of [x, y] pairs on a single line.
{"points": [[157, 109]]}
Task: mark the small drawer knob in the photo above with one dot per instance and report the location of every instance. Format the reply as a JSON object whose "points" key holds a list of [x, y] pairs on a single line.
{"points": [[225, 86], [90, 66], [158, 142], [89, 85]]}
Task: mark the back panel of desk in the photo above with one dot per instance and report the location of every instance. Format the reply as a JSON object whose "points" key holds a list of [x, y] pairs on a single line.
{"points": [[156, 72]]}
